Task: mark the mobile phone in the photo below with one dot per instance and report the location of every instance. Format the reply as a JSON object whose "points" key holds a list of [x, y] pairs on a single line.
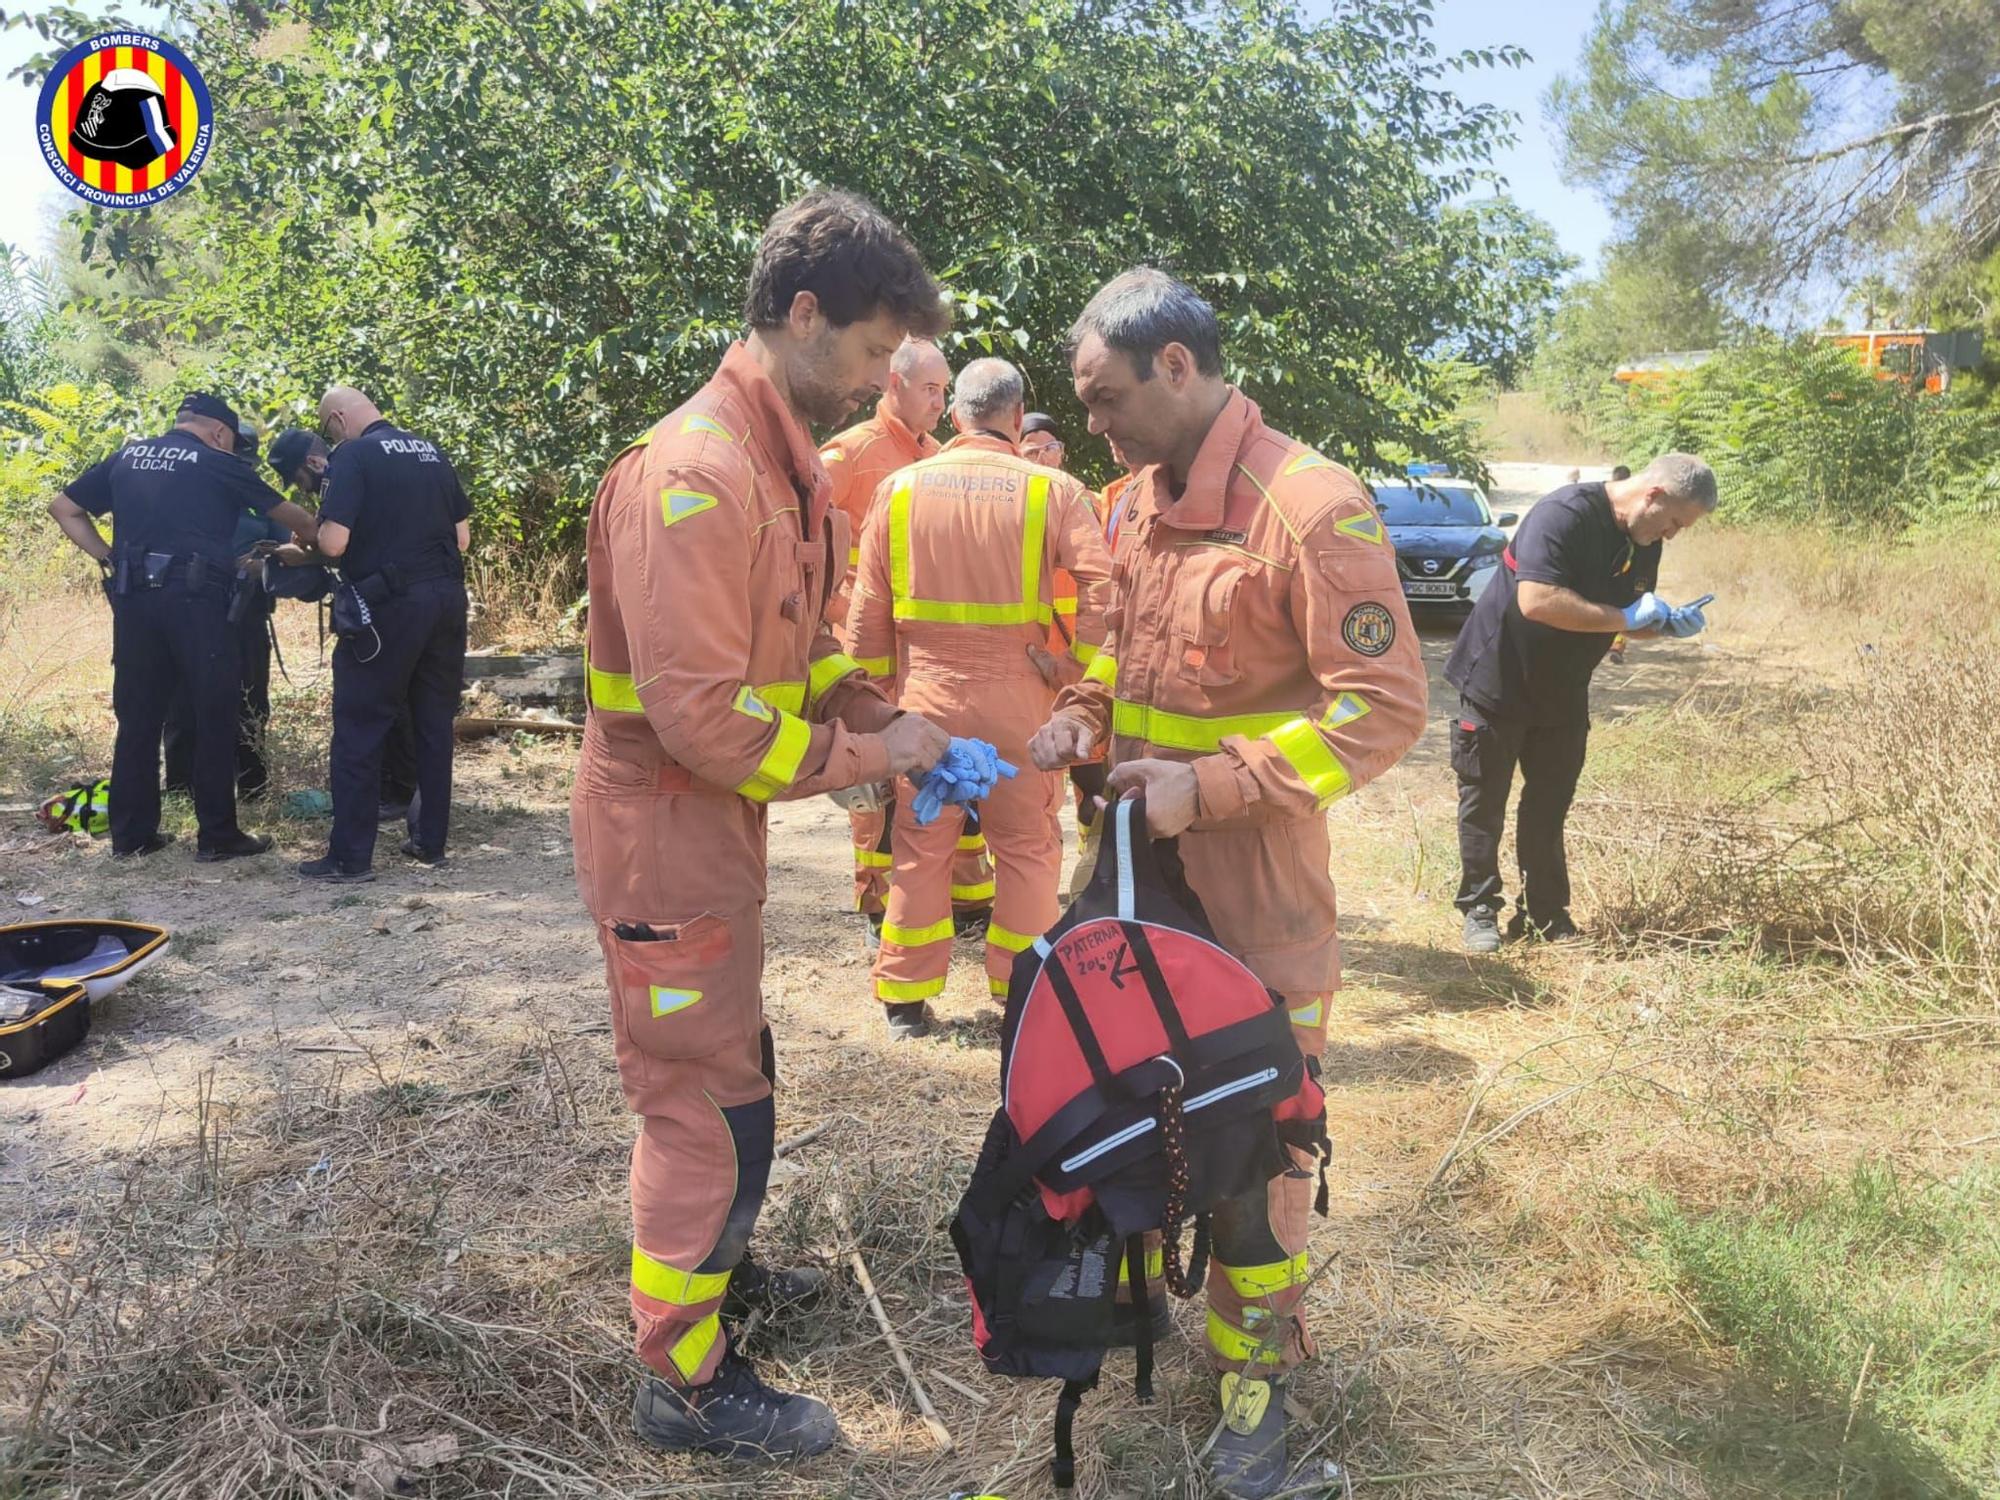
{"points": [[1698, 603]]}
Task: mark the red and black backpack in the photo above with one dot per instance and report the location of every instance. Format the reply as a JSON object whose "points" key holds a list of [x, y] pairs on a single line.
{"points": [[1146, 1075]]}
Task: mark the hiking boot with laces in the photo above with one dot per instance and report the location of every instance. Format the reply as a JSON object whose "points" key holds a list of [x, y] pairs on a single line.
{"points": [[732, 1415], [754, 1288], [1482, 930], [1248, 1459], [1556, 929]]}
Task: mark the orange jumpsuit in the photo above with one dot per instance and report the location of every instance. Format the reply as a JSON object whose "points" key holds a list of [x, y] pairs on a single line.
{"points": [[857, 461], [1259, 631], [955, 581], [714, 687]]}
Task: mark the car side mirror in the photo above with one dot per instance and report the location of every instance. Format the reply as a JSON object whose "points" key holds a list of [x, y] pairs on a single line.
{"points": [[1507, 518]]}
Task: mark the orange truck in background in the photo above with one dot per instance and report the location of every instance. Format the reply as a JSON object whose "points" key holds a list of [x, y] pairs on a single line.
{"points": [[1911, 354]]}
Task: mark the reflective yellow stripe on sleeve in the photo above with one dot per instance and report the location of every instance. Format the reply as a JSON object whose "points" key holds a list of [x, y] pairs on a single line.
{"points": [[1302, 745], [780, 766], [789, 696], [1103, 668], [827, 671], [673, 1286], [613, 692], [877, 666], [1202, 733]]}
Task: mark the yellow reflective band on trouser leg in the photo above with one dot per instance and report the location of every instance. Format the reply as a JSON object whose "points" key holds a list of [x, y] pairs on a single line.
{"points": [[1252, 1282], [827, 671], [997, 988], [1309, 1016], [780, 766], [874, 859], [1301, 744], [917, 937], [693, 1346], [1001, 937], [903, 991], [1103, 668], [1188, 731], [1233, 1343], [673, 1286], [971, 841], [980, 892]]}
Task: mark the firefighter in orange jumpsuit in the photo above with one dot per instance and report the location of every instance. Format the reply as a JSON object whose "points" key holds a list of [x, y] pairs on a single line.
{"points": [[1259, 665], [955, 584], [715, 687], [1087, 781], [857, 461]]}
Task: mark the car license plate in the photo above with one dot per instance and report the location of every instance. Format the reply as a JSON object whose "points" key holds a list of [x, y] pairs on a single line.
{"points": [[1417, 588]]}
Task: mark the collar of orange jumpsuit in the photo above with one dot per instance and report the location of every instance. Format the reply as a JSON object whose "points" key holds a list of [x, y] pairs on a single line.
{"points": [[777, 431], [1199, 506]]}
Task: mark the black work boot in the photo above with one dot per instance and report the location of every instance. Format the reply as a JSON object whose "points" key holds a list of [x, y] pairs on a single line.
{"points": [[1248, 1459], [971, 922], [411, 849], [1556, 929], [239, 846], [153, 845], [908, 1020], [1482, 930], [753, 1288], [733, 1415], [330, 871]]}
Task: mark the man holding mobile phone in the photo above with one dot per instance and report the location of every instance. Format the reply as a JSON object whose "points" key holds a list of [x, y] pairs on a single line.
{"points": [[1580, 570]]}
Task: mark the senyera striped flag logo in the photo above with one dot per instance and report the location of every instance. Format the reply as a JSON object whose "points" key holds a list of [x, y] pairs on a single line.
{"points": [[125, 119]]}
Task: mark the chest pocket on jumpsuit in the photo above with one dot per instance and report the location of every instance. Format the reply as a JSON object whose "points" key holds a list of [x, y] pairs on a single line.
{"points": [[1204, 622]]}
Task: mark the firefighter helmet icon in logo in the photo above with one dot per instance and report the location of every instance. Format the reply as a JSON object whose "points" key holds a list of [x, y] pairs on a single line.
{"points": [[124, 120]]}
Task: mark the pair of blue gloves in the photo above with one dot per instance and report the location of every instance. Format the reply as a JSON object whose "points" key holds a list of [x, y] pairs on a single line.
{"points": [[968, 771], [1651, 612]]}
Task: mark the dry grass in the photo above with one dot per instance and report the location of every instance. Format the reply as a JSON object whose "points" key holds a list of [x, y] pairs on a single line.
{"points": [[1519, 426], [524, 601], [320, 1278]]}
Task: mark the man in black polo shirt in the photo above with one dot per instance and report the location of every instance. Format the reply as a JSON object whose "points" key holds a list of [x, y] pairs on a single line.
{"points": [[1581, 568], [174, 501], [395, 518]]}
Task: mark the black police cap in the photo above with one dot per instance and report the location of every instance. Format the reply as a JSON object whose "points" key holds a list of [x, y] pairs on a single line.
{"points": [[201, 404], [288, 452]]}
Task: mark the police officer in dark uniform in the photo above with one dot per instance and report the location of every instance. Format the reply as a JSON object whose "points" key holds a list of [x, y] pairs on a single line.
{"points": [[173, 502], [250, 610], [395, 519]]}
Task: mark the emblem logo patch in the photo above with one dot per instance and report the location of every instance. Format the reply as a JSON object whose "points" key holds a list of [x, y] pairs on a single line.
{"points": [[1369, 629]]}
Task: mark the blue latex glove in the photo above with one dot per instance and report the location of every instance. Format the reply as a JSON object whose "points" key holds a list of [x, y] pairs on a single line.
{"points": [[967, 772], [1687, 619], [1647, 612]]}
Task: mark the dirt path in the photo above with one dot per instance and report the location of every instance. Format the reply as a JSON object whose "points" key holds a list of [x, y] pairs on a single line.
{"points": [[1460, 1351]]}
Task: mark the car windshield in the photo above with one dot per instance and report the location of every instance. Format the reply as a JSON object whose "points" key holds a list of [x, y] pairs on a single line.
{"points": [[1430, 505]]}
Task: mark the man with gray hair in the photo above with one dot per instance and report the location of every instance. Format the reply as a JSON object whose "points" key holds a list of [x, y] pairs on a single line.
{"points": [[1579, 572], [954, 597]]}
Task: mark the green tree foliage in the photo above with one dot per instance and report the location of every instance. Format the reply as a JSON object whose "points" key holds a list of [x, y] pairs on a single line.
{"points": [[1648, 299], [1531, 267], [525, 224], [1797, 430], [1802, 138]]}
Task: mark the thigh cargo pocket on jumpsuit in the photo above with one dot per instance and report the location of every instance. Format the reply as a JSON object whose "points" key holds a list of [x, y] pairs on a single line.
{"points": [[681, 993]]}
